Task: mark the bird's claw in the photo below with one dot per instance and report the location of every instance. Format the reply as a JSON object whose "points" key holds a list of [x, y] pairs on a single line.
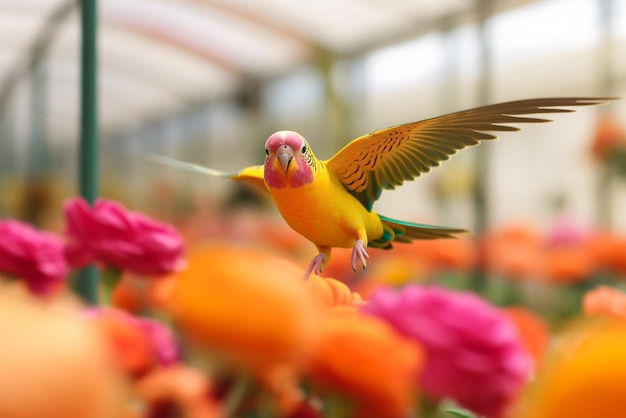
{"points": [[318, 262], [359, 253]]}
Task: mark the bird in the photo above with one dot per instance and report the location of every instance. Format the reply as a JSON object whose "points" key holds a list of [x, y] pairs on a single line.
{"points": [[330, 202]]}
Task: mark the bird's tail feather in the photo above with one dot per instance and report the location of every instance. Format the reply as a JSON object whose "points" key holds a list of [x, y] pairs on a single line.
{"points": [[401, 231]]}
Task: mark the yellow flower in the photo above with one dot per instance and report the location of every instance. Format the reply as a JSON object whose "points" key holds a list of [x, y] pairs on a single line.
{"points": [[585, 378]]}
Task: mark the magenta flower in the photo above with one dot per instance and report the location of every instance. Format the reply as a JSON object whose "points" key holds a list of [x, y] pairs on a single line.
{"points": [[162, 340], [109, 234], [473, 354], [34, 256], [567, 232], [162, 343]]}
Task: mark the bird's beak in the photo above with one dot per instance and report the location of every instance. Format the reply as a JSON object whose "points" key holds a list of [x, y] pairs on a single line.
{"points": [[284, 154]]}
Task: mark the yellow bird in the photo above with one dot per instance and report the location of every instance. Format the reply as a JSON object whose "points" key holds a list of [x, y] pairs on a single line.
{"points": [[330, 202]]}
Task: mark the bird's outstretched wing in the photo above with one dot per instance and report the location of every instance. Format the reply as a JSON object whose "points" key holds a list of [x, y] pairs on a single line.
{"points": [[252, 175], [386, 158]]}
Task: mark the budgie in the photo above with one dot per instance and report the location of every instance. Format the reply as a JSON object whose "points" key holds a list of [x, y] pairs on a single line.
{"points": [[331, 202]]}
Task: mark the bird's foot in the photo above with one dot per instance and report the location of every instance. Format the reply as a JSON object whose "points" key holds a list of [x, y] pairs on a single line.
{"points": [[358, 252], [318, 262]]}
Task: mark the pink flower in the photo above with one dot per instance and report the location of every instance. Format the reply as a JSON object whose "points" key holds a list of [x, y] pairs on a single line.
{"points": [[139, 343], [567, 232], [473, 354], [109, 234], [162, 340], [36, 257]]}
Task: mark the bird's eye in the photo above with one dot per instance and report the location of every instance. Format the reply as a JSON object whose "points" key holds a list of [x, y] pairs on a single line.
{"points": [[303, 150], [267, 152]]}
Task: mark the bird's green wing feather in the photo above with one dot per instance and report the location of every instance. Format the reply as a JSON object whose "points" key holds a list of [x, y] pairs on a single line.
{"points": [[252, 175], [387, 158]]}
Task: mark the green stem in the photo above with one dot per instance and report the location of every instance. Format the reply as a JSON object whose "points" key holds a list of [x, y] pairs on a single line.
{"points": [[337, 407], [111, 276], [236, 395]]}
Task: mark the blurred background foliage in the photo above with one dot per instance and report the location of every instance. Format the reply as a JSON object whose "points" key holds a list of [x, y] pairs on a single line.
{"points": [[208, 81]]}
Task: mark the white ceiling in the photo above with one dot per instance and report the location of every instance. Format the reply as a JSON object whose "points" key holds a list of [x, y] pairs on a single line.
{"points": [[162, 56]]}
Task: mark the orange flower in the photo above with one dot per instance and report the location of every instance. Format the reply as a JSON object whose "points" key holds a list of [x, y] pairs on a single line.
{"points": [[130, 346], [605, 301], [608, 137], [441, 254], [515, 252], [136, 294], [568, 264], [138, 344], [532, 329], [616, 260], [600, 246], [586, 379], [330, 292], [186, 389], [53, 363], [128, 294], [248, 305], [363, 358]]}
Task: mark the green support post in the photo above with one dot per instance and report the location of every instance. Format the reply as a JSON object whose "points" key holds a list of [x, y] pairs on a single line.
{"points": [[481, 193], [606, 176], [87, 284]]}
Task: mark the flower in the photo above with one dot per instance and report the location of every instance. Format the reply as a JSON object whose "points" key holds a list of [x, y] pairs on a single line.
{"points": [[363, 358], [184, 388], [249, 306], [111, 235], [614, 260], [532, 329], [36, 257], [605, 301], [568, 264], [608, 138], [441, 254], [515, 251], [567, 254], [138, 344], [466, 341], [129, 294], [585, 378], [330, 292], [567, 232], [135, 295], [53, 363]]}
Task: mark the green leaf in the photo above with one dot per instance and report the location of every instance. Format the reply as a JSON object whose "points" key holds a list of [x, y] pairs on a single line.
{"points": [[449, 407], [461, 413]]}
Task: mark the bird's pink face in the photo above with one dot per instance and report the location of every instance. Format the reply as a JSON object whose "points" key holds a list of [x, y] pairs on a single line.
{"points": [[288, 161]]}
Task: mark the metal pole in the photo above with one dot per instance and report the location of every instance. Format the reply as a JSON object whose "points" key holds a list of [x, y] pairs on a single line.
{"points": [[87, 284]]}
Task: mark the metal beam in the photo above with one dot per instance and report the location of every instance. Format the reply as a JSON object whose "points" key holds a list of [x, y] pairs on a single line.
{"points": [[424, 26], [28, 60]]}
